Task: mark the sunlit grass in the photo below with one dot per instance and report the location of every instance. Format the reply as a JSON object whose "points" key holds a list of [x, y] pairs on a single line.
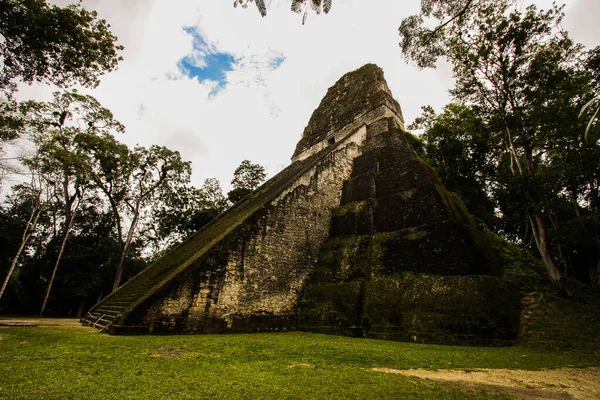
{"points": [[68, 361]]}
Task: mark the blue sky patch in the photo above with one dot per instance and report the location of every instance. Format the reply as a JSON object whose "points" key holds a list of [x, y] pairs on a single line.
{"points": [[276, 62], [205, 62]]}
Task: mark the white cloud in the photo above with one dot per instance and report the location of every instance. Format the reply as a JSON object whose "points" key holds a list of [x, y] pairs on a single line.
{"points": [[261, 113]]}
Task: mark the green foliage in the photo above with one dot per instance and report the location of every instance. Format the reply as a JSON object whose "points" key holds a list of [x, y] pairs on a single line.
{"points": [[520, 267], [248, 176], [237, 194], [50, 44], [422, 44], [516, 154], [418, 145], [101, 194], [11, 122], [213, 194]]}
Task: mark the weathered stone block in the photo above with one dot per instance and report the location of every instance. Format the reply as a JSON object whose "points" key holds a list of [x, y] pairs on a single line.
{"points": [[400, 176], [344, 259], [362, 187], [442, 309], [441, 248], [412, 207], [354, 95], [355, 218], [332, 308]]}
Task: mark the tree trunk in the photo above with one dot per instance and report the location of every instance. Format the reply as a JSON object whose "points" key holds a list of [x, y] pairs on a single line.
{"points": [[119, 273], [80, 309], [58, 258], [35, 214], [543, 246]]}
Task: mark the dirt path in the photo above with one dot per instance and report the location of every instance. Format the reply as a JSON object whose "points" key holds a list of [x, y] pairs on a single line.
{"points": [[27, 321], [564, 383]]}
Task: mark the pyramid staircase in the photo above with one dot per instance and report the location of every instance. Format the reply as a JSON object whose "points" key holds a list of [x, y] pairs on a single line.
{"points": [[110, 314]]}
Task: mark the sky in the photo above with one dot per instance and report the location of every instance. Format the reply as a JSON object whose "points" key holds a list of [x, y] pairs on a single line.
{"points": [[221, 84]]}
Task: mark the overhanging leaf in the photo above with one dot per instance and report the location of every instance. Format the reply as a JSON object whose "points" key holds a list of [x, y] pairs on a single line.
{"points": [[260, 4]]}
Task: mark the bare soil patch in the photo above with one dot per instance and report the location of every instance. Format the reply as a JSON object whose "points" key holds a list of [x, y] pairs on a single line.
{"points": [[563, 383], [166, 351], [31, 321]]}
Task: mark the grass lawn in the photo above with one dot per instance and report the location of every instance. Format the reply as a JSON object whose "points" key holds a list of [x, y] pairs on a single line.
{"points": [[61, 360]]}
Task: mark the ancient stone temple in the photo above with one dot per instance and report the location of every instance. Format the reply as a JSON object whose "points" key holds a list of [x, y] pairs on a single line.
{"points": [[356, 237]]}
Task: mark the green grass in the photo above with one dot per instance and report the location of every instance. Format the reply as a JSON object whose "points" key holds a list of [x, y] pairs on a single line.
{"points": [[72, 362]]}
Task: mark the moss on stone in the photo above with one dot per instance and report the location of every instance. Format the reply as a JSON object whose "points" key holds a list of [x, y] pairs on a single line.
{"points": [[344, 259], [442, 309], [415, 233], [353, 95], [520, 266], [355, 207], [331, 308], [407, 194], [438, 309]]}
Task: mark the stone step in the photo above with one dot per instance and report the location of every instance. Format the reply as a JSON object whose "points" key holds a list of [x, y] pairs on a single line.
{"points": [[128, 299], [111, 307], [96, 315], [102, 322], [109, 313], [115, 304], [97, 324]]}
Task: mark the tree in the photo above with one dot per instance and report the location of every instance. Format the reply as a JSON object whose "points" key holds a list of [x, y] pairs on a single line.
{"points": [[91, 256], [423, 44], [213, 194], [511, 65], [111, 168], [298, 6], [56, 128], [11, 126], [56, 45], [36, 196], [246, 177], [593, 106], [156, 170]]}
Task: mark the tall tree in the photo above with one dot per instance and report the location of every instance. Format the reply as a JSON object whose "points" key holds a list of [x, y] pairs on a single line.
{"points": [[36, 195], [505, 61], [56, 128], [111, 168], [213, 194], [154, 170], [592, 107], [51, 44]]}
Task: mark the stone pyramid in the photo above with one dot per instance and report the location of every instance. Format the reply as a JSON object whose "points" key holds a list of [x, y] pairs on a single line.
{"points": [[356, 237]]}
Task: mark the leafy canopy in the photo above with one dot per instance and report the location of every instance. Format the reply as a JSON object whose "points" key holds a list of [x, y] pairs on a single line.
{"points": [[298, 6], [53, 45], [248, 175]]}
